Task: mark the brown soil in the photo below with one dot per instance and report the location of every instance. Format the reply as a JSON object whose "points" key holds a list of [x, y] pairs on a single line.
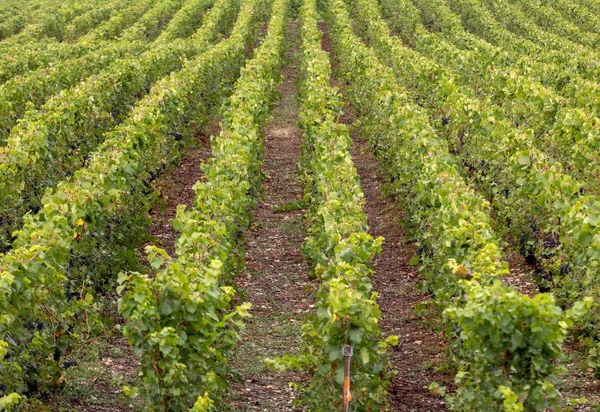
{"points": [[275, 279], [578, 381], [105, 365], [177, 188], [420, 348], [521, 273]]}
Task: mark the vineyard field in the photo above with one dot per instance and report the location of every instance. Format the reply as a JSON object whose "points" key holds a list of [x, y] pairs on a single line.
{"points": [[300, 205]]}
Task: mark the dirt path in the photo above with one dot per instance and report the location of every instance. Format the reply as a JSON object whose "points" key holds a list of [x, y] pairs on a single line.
{"points": [[521, 273], [420, 350], [177, 188], [275, 280]]}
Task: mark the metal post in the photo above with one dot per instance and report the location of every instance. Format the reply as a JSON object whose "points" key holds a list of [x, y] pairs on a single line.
{"points": [[347, 352]]}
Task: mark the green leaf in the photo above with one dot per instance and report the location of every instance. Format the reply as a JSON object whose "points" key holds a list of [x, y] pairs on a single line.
{"points": [[166, 308], [364, 355], [524, 160]]}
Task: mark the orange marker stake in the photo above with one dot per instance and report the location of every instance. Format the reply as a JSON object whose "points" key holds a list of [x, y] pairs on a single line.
{"points": [[347, 352]]}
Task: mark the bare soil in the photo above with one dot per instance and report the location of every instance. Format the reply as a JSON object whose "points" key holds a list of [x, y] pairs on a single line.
{"points": [[275, 280], [94, 383], [521, 273], [177, 188], [421, 350]]}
